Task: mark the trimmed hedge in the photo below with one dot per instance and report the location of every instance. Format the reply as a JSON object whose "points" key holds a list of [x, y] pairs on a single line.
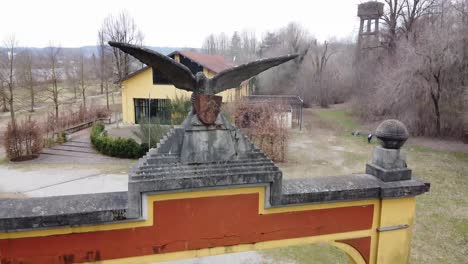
{"points": [[115, 147]]}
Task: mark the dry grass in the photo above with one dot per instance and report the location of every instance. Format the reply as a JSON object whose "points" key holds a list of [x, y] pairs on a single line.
{"points": [[44, 105]]}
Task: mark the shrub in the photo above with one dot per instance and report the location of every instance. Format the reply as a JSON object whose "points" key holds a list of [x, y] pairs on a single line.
{"points": [[23, 140], [61, 137], [180, 106], [262, 123], [115, 147], [100, 112], [153, 131]]}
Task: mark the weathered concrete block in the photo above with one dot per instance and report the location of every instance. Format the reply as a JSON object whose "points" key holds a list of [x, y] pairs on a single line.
{"points": [[389, 158], [386, 175], [207, 146]]}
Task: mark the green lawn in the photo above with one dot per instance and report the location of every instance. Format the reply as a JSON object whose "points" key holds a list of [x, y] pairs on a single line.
{"points": [[338, 118], [441, 225]]}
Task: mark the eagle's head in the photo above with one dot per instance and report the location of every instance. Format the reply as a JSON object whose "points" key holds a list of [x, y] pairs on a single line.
{"points": [[202, 83]]}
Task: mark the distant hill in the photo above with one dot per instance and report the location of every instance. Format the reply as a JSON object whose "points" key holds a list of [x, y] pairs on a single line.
{"points": [[90, 50]]}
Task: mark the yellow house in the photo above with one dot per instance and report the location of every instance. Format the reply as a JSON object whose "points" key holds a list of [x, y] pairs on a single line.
{"points": [[148, 83]]}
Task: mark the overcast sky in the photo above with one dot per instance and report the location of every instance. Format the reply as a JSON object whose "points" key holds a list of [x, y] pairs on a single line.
{"points": [[174, 23]]}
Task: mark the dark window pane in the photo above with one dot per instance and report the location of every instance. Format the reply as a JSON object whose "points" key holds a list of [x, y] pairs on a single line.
{"points": [[157, 108]]}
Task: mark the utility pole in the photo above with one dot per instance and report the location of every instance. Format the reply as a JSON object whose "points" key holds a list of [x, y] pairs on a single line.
{"points": [[149, 120]]}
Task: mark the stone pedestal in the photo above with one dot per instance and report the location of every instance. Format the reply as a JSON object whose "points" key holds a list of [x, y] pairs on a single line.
{"points": [[218, 142], [389, 165]]}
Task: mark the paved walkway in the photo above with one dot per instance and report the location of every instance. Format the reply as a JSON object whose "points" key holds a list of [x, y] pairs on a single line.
{"points": [[71, 168], [77, 150]]}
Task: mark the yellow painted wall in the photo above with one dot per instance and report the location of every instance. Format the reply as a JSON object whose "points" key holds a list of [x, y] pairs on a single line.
{"points": [[141, 86], [394, 246]]}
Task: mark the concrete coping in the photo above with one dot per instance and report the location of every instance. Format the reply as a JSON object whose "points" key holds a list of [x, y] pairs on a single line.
{"points": [[87, 209], [347, 188], [71, 210]]}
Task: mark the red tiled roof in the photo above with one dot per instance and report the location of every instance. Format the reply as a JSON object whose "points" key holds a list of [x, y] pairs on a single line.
{"points": [[215, 63]]}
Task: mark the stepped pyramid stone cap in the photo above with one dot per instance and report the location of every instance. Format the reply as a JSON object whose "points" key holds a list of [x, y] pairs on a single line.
{"points": [[392, 134]]}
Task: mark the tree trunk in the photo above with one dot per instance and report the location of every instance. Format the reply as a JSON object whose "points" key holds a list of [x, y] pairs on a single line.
{"points": [[10, 102], [435, 99], [4, 101], [31, 85], [84, 98], [56, 113], [107, 96], [32, 98], [437, 113], [56, 102]]}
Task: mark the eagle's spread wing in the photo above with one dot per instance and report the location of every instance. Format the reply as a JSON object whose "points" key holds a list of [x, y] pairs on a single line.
{"points": [[177, 73], [233, 77]]}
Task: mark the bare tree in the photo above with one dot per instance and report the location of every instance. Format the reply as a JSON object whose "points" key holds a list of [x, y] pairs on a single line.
{"points": [[8, 73], [72, 75], [320, 60], [105, 69], [53, 78], [223, 44], [3, 95], [291, 39], [461, 7], [236, 46], [121, 28], [210, 45], [83, 78], [249, 46], [26, 75], [3, 67], [439, 60], [102, 59], [412, 11], [425, 77], [240, 47], [391, 17]]}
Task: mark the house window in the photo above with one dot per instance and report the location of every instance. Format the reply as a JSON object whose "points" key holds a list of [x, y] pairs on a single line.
{"points": [[155, 108]]}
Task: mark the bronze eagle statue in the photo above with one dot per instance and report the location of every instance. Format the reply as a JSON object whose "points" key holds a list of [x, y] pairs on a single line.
{"points": [[201, 86]]}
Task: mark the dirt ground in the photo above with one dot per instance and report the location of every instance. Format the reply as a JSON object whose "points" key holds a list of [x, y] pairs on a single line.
{"points": [[318, 151]]}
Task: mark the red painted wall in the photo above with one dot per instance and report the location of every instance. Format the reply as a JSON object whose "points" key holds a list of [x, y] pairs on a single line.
{"points": [[188, 224]]}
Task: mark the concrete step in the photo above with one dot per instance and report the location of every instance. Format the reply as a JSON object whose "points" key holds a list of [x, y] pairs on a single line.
{"points": [[74, 149], [207, 166], [243, 160], [162, 160], [75, 145], [67, 153], [78, 141], [204, 173], [211, 177]]}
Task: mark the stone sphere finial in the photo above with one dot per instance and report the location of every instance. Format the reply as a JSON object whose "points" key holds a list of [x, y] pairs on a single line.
{"points": [[392, 134]]}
